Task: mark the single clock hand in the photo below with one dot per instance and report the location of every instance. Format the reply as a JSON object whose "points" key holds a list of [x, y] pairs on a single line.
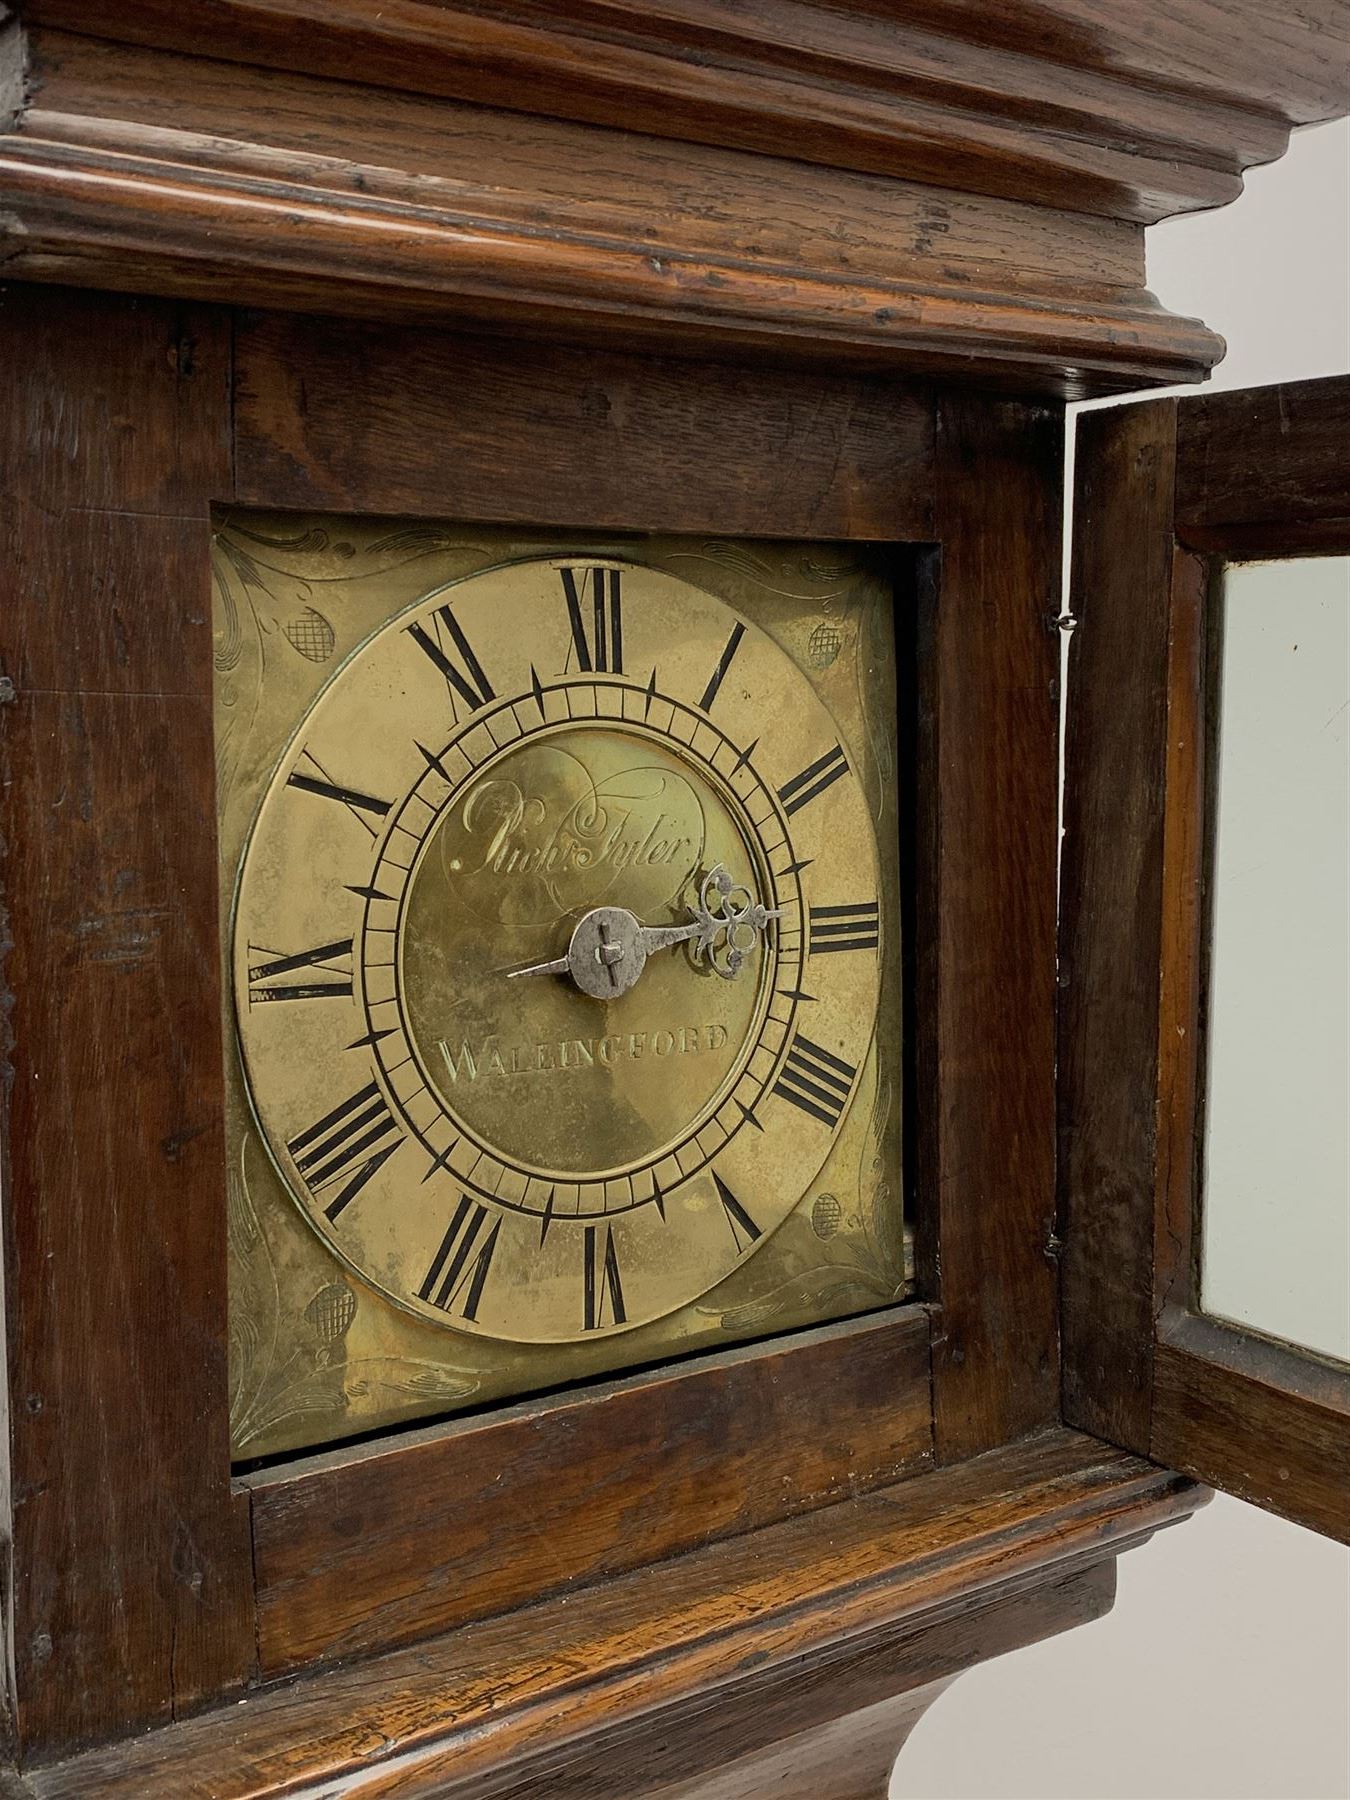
{"points": [[610, 945], [608, 953]]}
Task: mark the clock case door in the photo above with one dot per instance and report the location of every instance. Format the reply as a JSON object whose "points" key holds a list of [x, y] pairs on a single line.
{"points": [[1167, 492]]}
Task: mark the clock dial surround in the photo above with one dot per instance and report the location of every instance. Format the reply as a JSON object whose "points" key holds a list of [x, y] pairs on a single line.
{"points": [[794, 664]]}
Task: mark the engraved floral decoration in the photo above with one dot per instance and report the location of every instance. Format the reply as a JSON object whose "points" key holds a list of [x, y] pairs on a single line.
{"points": [[281, 1369], [262, 604], [873, 1268]]}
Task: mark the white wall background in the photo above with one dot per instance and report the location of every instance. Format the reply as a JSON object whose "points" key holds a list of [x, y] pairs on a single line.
{"points": [[1224, 1671]]}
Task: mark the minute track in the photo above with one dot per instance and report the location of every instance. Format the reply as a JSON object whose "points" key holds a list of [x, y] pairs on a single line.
{"points": [[610, 699]]}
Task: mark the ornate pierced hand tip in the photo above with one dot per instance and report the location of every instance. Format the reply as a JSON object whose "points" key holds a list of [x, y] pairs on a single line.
{"points": [[730, 921]]}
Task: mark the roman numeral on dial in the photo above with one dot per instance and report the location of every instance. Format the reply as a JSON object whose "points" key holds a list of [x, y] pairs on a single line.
{"points": [[347, 1145], [324, 960], [743, 1227], [813, 781], [454, 1282], [460, 667], [816, 1080], [602, 1289], [359, 805], [844, 928], [719, 674], [597, 626]]}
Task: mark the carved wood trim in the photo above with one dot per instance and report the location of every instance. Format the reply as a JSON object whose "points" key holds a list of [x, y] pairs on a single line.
{"points": [[882, 1593], [167, 212], [1132, 113], [142, 169], [954, 191]]}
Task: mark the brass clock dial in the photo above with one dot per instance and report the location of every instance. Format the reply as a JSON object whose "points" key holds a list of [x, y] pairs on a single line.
{"points": [[556, 949]]}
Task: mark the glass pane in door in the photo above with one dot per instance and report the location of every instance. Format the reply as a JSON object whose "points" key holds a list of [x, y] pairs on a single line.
{"points": [[1276, 1180]]}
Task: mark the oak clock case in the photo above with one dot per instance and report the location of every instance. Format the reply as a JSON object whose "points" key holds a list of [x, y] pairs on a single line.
{"points": [[559, 889]]}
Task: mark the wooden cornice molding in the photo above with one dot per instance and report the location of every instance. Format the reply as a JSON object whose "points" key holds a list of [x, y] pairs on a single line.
{"points": [[870, 1596], [1131, 112], [791, 180]]}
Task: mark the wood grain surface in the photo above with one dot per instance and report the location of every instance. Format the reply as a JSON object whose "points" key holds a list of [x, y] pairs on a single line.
{"points": [[1111, 912], [759, 184], [1058, 101], [362, 417], [825, 1727], [571, 180], [1261, 471], [1187, 828], [360, 1551], [845, 1758], [1143, 1366], [984, 976], [654, 1572], [865, 1581], [1256, 1418], [131, 1556]]}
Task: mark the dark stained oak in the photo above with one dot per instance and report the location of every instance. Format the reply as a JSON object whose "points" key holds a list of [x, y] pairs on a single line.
{"points": [[690, 1660], [659, 197], [1111, 911], [1258, 1418], [350, 1554], [1063, 103], [927, 193], [984, 1001], [762, 184], [131, 1598], [846, 1758], [346, 415], [481, 1515], [1158, 484], [798, 272], [829, 1727], [88, 627], [132, 222], [1182, 950], [1262, 471], [113, 406]]}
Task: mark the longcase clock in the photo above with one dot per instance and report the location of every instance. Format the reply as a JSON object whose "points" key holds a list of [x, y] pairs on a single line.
{"points": [[590, 1205]]}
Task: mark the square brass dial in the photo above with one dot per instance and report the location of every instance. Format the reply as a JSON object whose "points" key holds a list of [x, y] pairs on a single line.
{"points": [[560, 912]]}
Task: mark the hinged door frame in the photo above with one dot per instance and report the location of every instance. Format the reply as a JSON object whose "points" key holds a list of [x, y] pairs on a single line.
{"points": [[1164, 491]]}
